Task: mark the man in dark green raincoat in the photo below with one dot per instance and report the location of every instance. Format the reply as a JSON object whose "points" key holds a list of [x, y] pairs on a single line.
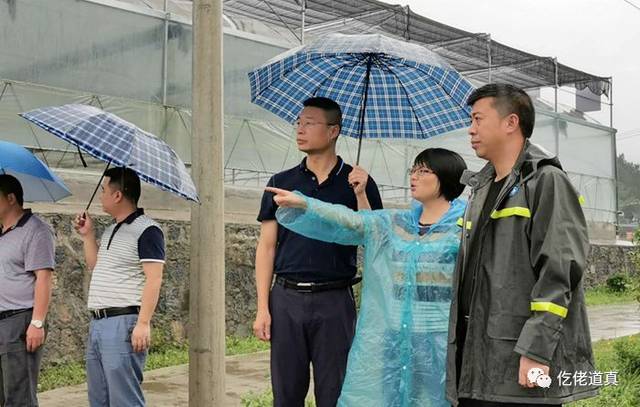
{"points": [[518, 320]]}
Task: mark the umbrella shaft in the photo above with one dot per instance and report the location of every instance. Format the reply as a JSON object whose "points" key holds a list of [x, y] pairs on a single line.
{"points": [[97, 186], [364, 105]]}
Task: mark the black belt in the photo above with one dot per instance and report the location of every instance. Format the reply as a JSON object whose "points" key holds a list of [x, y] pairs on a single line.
{"points": [[316, 287], [114, 312], [10, 313]]}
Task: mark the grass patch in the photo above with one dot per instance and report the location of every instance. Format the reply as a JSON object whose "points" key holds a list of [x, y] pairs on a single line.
{"points": [[169, 356], [72, 373], [609, 359], [265, 399], [603, 295], [64, 374], [251, 344]]}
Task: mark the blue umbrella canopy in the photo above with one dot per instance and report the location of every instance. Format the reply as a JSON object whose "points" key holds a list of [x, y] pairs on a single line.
{"points": [[386, 88], [38, 182]]}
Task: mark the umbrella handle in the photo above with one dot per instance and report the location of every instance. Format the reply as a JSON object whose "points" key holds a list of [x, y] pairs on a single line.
{"points": [[97, 186]]}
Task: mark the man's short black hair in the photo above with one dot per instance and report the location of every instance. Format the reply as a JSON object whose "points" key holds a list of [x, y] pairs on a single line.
{"points": [[126, 181], [508, 99], [10, 185], [448, 167], [331, 109]]}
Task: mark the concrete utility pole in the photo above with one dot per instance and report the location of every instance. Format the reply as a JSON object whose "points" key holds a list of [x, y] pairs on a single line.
{"points": [[206, 304]]}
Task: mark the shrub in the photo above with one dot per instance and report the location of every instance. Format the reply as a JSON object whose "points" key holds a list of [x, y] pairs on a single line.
{"points": [[619, 283], [628, 355]]}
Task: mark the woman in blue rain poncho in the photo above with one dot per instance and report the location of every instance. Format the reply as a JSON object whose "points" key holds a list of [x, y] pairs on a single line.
{"points": [[399, 350]]}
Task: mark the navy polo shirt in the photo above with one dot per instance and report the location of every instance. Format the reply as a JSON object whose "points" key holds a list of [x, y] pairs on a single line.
{"points": [[150, 242], [302, 259]]}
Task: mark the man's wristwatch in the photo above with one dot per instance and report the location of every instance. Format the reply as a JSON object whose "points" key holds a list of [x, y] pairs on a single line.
{"points": [[37, 323]]}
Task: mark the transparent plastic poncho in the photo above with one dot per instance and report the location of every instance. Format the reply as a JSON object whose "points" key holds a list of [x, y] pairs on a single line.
{"points": [[399, 350]]}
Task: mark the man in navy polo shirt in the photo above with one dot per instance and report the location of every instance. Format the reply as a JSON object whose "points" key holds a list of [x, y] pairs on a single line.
{"points": [[309, 315]]}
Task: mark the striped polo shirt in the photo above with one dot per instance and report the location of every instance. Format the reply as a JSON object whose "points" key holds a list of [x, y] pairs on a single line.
{"points": [[117, 279]]}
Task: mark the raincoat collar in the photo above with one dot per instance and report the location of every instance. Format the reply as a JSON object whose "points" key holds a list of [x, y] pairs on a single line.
{"points": [[451, 216]]}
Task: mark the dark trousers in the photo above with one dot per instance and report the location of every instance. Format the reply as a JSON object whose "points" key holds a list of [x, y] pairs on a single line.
{"points": [[18, 368], [310, 328]]}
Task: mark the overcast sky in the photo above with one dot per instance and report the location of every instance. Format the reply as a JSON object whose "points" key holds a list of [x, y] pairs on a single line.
{"points": [[601, 37]]}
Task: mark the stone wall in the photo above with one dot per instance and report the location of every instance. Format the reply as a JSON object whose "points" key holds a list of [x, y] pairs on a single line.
{"points": [[68, 318], [606, 260]]}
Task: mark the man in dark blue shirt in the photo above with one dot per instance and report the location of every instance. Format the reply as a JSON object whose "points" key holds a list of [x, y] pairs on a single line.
{"points": [[309, 315]]}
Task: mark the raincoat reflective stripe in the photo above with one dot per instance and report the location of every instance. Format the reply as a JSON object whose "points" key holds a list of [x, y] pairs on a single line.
{"points": [[515, 211], [461, 221], [549, 307]]}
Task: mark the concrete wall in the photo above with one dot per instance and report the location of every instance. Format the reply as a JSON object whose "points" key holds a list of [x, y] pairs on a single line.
{"points": [[602, 232]]}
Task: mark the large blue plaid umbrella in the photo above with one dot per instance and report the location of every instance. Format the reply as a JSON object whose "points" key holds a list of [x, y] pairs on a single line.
{"points": [[119, 143], [386, 88], [39, 184]]}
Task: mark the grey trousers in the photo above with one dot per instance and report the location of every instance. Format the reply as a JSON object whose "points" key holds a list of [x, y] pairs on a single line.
{"points": [[18, 368]]}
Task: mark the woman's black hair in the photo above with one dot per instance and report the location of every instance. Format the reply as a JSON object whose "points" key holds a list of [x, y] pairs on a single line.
{"points": [[448, 166]]}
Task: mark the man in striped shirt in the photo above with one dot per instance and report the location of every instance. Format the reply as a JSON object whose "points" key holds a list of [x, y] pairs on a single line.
{"points": [[125, 284]]}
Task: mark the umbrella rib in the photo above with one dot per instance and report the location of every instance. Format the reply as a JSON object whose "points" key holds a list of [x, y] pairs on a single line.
{"points": [[407, 95], [74, 141], [420, 68], [330, 77], [47, 189], [449, 94], [313, 57]]}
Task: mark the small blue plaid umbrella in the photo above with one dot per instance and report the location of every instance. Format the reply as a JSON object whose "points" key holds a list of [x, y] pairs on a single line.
{"points": [[38, 183], [119, 143], [386, 88]]}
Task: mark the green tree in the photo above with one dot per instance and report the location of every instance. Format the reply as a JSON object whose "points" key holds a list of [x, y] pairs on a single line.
{"points": [[628, 187]]}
